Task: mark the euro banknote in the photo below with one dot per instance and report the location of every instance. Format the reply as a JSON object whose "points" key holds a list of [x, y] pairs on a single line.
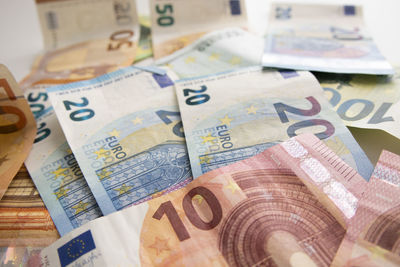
{"points": [[372, 238], [232, 116], [84, 39], [56, 173], [24, 220], [177, 23], [64, 23], [328, 38], [255, 212], [124, 129], [365, 101], [218, 51], [17, 128]]}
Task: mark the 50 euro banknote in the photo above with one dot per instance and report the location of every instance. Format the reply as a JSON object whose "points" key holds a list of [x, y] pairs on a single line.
{"points": [[256, 211], [235, 115], [17, 128], [365, 101], [328, 38], [84, 39], [178, 23], [55, 172], [125, 131]]}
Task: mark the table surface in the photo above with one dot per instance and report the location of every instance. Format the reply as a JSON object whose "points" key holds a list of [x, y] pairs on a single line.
{"points": [[21, 41]]}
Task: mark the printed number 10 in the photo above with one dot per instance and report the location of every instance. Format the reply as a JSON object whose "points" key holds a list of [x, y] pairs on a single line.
{"points": [[169, 210]]}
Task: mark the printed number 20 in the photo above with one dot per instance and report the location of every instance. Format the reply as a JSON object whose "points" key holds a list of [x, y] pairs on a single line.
{"points": [[198, 98], [80, 114], [281, 108]]}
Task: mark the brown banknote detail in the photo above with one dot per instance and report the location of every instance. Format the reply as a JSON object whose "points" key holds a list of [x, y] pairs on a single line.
{"points": [[24, 219], [25, 224], [338, 186], [254, 212], [373, 236], [17, 128], [81, 61], [84, 39]]}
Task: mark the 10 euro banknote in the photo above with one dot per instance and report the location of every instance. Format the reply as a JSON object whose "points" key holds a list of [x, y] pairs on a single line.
{"points": [[262, 203]]}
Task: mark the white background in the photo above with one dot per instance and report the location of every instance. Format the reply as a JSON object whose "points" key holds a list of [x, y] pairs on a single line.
{"points": [[21, 41]]}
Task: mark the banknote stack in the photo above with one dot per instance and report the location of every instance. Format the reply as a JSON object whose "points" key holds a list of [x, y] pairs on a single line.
{"points": [[178, 137]]}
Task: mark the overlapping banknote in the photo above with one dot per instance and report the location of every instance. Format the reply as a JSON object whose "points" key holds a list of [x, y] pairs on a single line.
{"points": [[218, 51], [25, 223], [125, 131], [235, 115], [365, 101], [178, 23], [17, 128], [84, 39], [259, 211], [328, 38], [373, 236], [56, 173]]}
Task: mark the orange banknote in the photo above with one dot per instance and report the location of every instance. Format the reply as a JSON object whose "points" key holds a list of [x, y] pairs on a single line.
{"points": [[373, 238], [17, 128], [255, 212], [84, 39]]}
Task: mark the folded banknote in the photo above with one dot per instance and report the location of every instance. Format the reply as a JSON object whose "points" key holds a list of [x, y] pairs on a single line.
{"points": [[125, 131], [259, 211], [235, 115], [217, 51], [178, 23], [328, 38], [373, 235], [17, 128], [365, 101], [55, 172]]}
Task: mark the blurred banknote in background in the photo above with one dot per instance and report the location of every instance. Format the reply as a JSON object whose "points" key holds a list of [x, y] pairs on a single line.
{"points": [[218, 51], [17, 128], [365, 101], [373, 236], [126, 133], [260, 203], [84, 39], [328, 38], [178, 23], [56, 173], [235, 115]]}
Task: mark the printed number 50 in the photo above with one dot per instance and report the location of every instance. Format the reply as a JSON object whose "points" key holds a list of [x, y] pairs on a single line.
{"points": [[165, 20]]}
